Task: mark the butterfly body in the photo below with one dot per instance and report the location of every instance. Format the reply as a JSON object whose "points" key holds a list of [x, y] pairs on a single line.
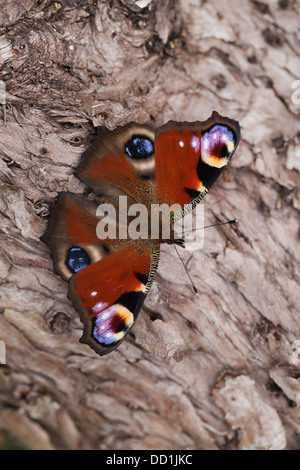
{"points": [[133, 169]]}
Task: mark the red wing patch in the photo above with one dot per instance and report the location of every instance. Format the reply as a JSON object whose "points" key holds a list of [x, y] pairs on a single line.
{"points": [[177, 154], [109, 294]]}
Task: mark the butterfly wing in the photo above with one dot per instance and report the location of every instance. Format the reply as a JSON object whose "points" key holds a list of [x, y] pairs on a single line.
{"points": [[121, 162], [110, 293], [108, 279], [71, 235], [190, 157]]}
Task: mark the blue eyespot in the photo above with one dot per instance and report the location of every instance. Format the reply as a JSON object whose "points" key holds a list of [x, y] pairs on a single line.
{"points": [[77, 259], [139, 147]]}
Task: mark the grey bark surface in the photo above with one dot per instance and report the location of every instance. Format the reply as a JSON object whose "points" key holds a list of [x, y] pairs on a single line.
{"points": [[215, 371]]}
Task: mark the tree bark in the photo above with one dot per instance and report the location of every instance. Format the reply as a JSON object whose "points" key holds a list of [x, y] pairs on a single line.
{"points": [[217, 370]]}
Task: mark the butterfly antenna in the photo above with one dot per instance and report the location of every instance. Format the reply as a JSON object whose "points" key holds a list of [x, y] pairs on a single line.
{"points": [[186, 270], [233, 221]]}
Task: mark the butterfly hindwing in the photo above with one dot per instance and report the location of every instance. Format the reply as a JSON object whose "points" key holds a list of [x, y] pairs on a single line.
{"points": [[71, 235], [121, 162]]}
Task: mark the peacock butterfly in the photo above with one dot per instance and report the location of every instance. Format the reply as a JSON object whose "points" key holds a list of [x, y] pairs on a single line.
{"points": [[109, 277]]}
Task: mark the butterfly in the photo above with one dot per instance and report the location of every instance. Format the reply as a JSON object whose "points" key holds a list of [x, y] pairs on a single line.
{"points": [[109, 277]]}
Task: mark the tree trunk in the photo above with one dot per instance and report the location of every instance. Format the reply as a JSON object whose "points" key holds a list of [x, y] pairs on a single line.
{"points": [[217, 370]]}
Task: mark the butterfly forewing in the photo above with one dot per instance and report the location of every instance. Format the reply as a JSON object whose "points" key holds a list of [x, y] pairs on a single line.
{"points": [[191, 156]]}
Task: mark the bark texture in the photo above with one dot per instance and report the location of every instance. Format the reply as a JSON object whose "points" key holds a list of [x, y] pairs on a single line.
{"points": [[215, 371]]}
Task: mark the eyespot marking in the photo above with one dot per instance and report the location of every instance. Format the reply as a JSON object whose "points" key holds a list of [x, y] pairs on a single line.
{"points": [[139, 147], [111, 324], [77, 259], [217, 145]]}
